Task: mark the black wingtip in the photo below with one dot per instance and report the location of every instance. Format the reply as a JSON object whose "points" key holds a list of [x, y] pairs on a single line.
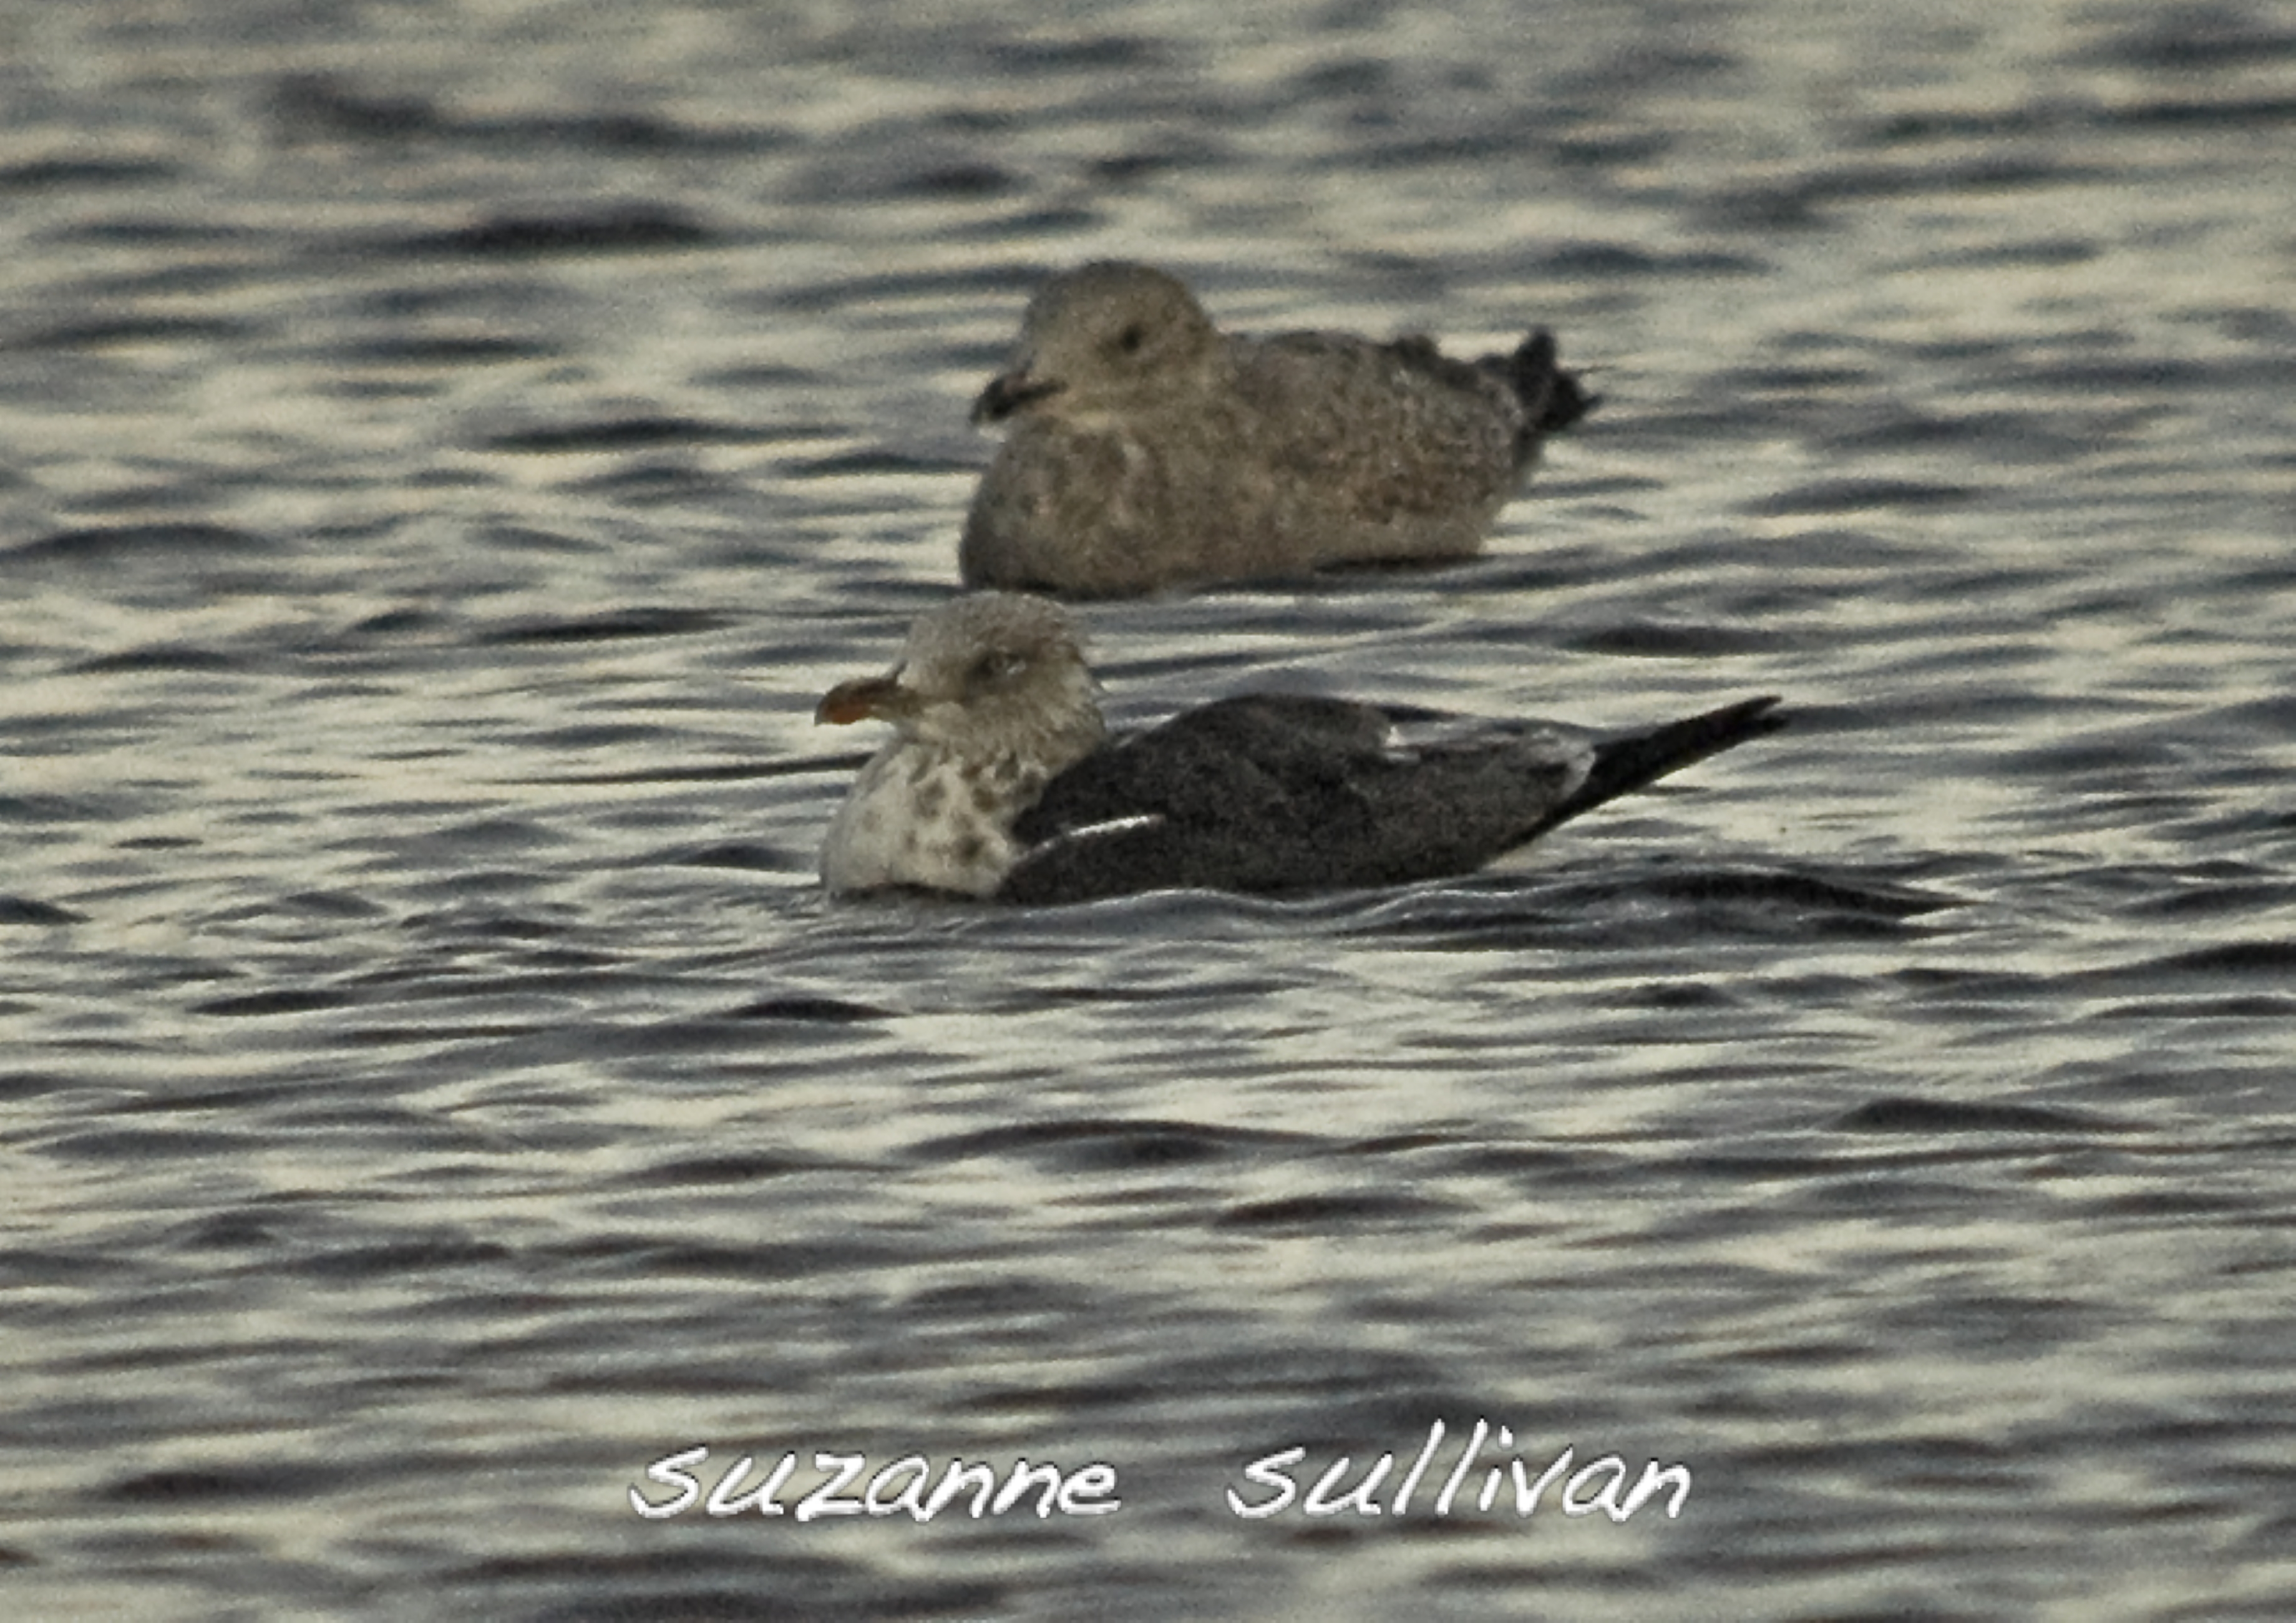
{"points": [[1624, 765], [1555, 399]]}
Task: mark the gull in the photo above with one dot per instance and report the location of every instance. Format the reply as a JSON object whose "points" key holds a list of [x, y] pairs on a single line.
{"points": [[1148, 449], [1002, 781]]}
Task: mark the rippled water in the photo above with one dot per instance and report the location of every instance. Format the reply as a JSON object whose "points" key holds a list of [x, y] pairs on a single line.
{"points": [[448, 448]]}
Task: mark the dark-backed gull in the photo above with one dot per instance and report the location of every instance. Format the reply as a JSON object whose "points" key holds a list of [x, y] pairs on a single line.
{"points": [[1001, 781]]}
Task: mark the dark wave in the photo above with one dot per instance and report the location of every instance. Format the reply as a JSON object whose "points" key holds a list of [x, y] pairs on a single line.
{"points": [[625, 229], [1091, 1145], [1916, 1115], [98, 543]]}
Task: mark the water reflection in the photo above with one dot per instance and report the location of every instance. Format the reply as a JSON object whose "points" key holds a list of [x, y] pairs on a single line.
{"points": [[445, 462]]}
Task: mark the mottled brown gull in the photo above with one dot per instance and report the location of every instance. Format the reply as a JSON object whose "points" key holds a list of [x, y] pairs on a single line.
{"points": [[1000, 780], [1148, 449]]}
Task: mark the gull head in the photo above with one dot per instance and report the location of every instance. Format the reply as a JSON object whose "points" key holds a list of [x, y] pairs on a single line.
{"points": [[987, 675], [1103, 337]]}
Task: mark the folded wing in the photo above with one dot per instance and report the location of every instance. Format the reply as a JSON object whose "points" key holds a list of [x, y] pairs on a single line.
{"points": [[1276, 793]]}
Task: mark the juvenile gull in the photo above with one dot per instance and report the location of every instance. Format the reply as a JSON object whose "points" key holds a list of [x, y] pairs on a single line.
{"points": [[1000, 781], [1149, 449]]}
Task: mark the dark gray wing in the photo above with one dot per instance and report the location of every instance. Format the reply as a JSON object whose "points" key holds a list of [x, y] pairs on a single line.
{"points": [[1276, 793]]}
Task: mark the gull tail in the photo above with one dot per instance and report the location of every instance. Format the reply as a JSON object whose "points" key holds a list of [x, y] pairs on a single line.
{"points": [[1553, 397], [1624, 765]]}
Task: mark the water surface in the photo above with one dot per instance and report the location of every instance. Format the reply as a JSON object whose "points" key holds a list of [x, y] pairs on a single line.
{"points": [[448, 448]]}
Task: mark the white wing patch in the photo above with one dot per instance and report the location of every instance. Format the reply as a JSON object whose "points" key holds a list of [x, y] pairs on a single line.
{"points": [[1114, 826]]}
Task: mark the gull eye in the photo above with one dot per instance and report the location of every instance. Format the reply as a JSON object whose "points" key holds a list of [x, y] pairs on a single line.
{"points": [[1132, 337], [995, 667]]}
